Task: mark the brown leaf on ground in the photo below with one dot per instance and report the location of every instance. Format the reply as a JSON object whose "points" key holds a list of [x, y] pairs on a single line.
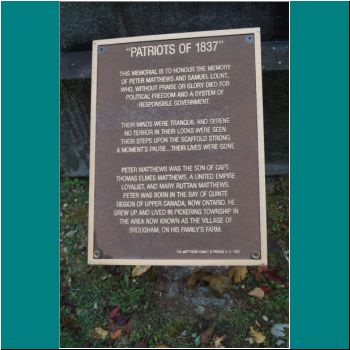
{"points": [[116, 334], [258, 337], [122, 321], [238, 273], [220, 283], [114, 312], [265, 288], [257, 293], [162, 346], [99, 333], [274, 277], [199, 276], [218, 341], [207, 334], [139, 270]]}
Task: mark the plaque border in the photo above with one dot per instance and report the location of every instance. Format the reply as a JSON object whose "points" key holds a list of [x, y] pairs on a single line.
{"points": [[261, 152]]}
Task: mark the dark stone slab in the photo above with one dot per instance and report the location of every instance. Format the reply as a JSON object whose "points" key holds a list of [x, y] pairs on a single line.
{"points": [[75, 127], [276, 121], [82, 22]]}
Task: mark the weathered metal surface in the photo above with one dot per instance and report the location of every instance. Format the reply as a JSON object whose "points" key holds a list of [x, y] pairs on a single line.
{"points": [[75, 121], [158, 157], [77, 65]]}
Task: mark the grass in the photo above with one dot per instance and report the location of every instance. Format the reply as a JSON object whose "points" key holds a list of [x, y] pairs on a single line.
{"points": [[88, 292]]}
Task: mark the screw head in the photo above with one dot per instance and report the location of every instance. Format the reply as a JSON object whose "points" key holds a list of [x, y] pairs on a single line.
{"points": [[249, 38], [256, 255], [97, 254]]}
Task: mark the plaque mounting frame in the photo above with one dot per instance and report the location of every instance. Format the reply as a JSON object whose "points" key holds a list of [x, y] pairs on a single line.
{"points": [[261, 157]]}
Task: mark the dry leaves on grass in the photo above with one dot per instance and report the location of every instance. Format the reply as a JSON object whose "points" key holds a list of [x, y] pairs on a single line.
{"points": [[257, 336], [218, 341], [257, 293], [220, 282], [119, 323], [238, 273], [99, 333], [273, 276], [199, 276], [139, 270]]}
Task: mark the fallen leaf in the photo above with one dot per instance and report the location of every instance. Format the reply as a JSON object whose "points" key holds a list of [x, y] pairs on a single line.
{"points": [[238, 273], [99, 333], [207, 334], [220, 283], [162, 346], [257, 293], [278, 330], [114, 312], [116, 334], [218, 341], [199, 276], [274, 277], [140, 270], [265, 288], [258, 337]]}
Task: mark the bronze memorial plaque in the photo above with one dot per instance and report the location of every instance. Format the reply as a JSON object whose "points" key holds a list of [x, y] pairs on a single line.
{"points": [[177, 150]]}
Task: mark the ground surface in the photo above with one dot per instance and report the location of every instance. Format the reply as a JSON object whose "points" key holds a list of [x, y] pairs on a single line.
{"points": [[103, 306]]}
